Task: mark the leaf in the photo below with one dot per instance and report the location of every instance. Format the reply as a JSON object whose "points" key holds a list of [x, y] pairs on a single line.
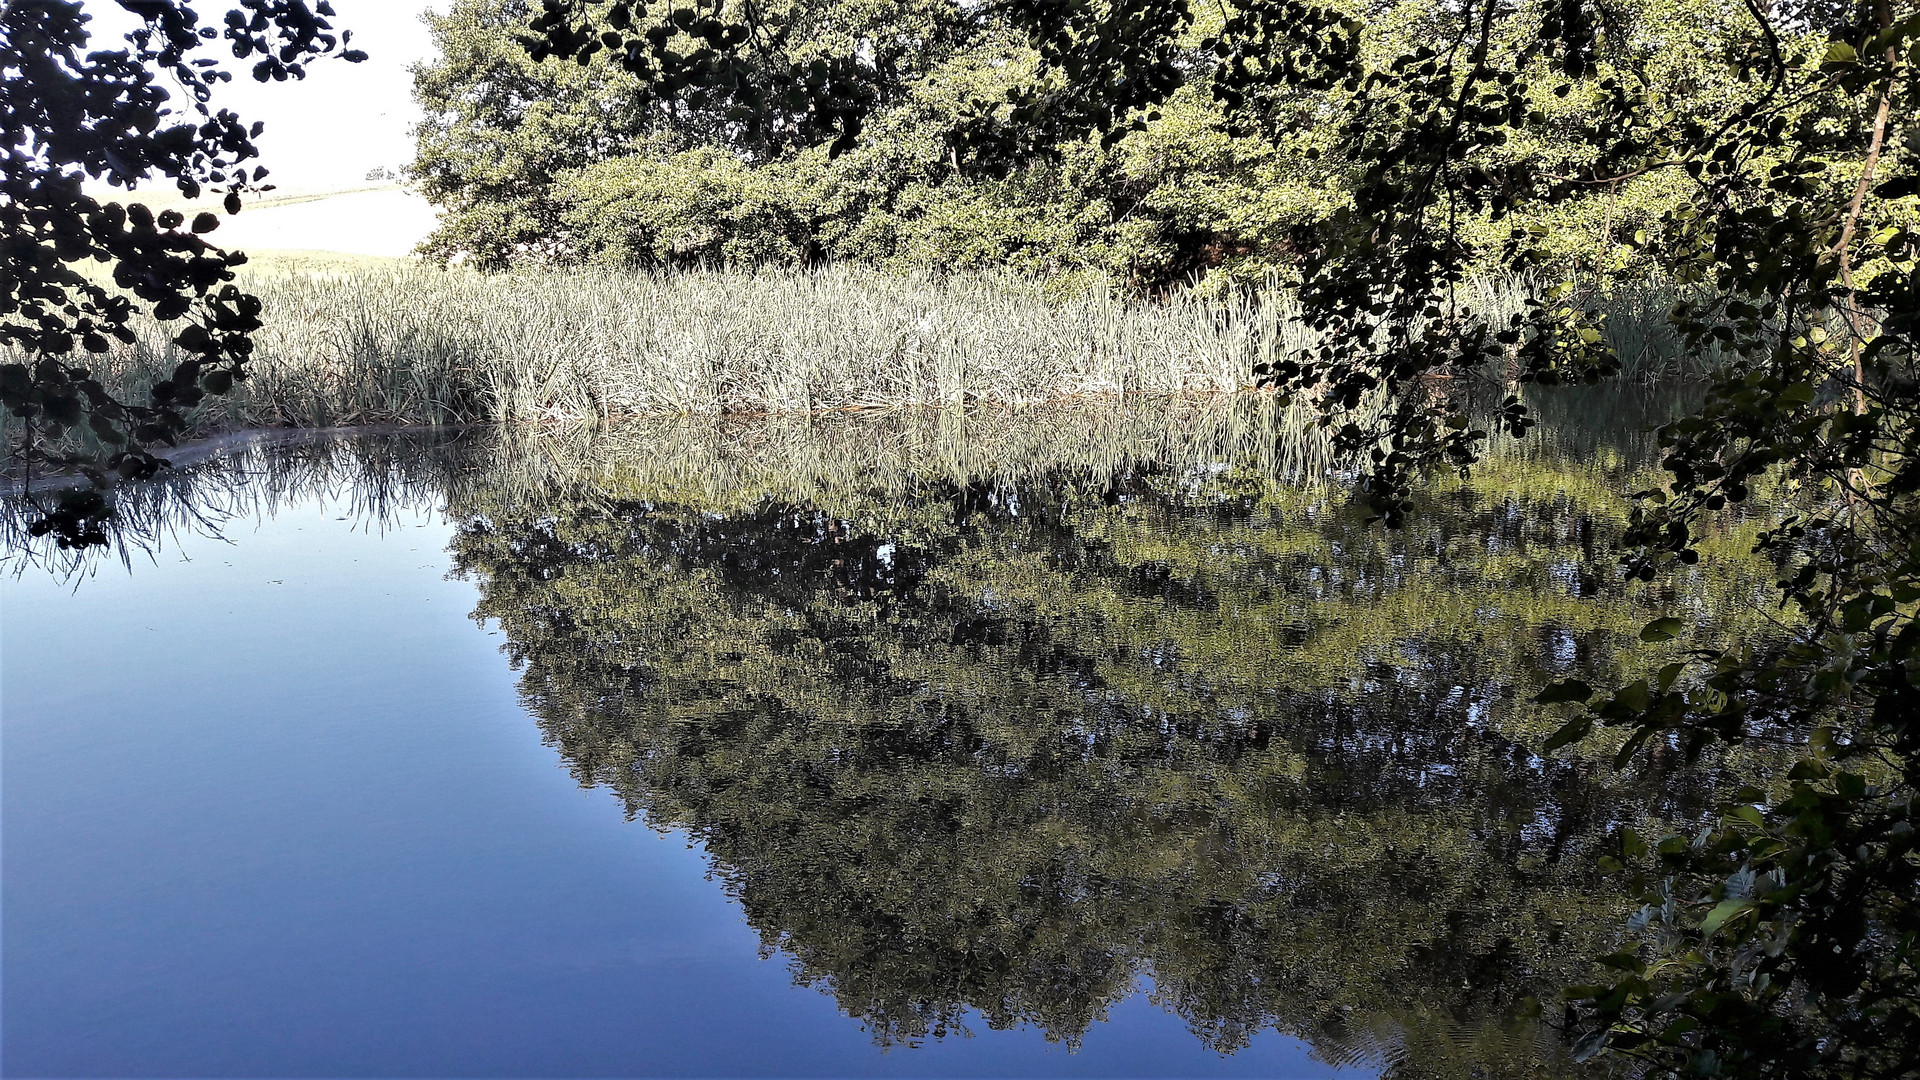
{"points": [[1563, 691], [1662, 630], [1678, 1028], [1899, 187], [1626, 752], [1571, 733], [1841, 53], [1808, 769], [1634, 697], [1624, 961], [1722, 913], [1590, 1044]]}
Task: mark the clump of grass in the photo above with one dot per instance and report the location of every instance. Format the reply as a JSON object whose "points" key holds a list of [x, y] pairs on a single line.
{"points": [[408, 344], [418, 345]]}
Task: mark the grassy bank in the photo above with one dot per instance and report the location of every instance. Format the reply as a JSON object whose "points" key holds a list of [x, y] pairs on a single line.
{"points": [[400, 343]]}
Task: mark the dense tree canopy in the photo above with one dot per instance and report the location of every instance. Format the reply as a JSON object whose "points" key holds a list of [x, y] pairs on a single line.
{"points": [[74, 113], [967, 156], [1148, 210]]}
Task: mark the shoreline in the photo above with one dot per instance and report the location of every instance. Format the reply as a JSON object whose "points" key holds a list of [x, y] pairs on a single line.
{"points": [[212, 445], [205, 448]]}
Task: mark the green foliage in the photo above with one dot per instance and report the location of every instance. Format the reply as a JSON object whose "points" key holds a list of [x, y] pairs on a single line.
{"points": [[72, 113], [498, 129], [700, 207], [966, 159]]}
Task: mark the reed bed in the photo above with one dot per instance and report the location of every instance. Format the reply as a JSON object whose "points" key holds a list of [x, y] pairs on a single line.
{"points": [[409, 344]]}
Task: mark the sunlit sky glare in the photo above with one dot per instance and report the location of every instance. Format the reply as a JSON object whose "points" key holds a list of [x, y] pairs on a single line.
{"points": [[327, 131]]}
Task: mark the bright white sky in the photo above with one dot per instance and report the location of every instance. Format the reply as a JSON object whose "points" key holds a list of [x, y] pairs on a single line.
{"points": [[325, 132]]}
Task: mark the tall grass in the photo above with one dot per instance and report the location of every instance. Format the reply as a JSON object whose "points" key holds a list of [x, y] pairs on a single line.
{"points": [[414, 345]]}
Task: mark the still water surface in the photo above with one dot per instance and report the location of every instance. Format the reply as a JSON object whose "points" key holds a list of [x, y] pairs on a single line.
{"points": [[929, 746]]}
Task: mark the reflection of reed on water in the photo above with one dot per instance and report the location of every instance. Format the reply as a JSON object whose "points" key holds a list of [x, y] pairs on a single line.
{"points": [[734, 461], [729, 460]]}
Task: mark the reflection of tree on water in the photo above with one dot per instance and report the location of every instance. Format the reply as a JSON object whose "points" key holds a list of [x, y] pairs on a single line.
{"points": [[1015, 744], [1014, 747]]}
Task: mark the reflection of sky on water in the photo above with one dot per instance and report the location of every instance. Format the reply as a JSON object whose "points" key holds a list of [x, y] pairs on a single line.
{"points": [[276, 810]]}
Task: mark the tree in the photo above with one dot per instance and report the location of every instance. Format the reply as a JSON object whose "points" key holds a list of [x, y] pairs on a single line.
{"points": [[1781, 943], [940, 175], [498, 127], [73, 115]]}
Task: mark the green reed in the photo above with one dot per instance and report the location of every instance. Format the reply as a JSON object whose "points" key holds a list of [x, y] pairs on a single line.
{"points": [[408, 344]]}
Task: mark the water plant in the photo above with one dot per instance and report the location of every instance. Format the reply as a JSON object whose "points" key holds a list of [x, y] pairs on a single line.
{"points": [[407, 344]]}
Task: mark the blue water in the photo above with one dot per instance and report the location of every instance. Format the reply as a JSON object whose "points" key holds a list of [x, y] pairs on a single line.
{"points": [[272, 808]]}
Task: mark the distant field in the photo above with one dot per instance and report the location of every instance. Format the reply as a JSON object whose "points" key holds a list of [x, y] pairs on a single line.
{"points": [[383, 222]]}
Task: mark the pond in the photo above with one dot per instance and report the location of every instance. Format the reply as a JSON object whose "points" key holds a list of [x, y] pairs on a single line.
{"points": [[1063, 742]]}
